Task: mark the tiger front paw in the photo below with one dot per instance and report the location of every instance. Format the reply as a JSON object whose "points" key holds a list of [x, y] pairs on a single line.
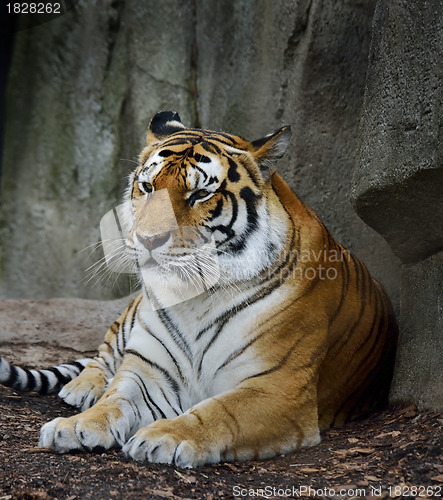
{"points": [[163, 441], [82, 393], [98, 431]]}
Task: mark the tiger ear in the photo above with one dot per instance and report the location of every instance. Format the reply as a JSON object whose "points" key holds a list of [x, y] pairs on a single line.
{"points": [[271, 148], [163, 124]]}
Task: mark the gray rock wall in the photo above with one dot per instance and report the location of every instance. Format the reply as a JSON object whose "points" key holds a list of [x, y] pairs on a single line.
{"points": [[418, 376], [83, 87], [398, 180]]}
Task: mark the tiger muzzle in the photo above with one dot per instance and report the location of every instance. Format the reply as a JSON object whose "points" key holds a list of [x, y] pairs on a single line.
{"points": [[153, 242]]}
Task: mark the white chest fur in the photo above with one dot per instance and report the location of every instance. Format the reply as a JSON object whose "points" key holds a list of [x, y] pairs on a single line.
{"points": [[207, 343]]}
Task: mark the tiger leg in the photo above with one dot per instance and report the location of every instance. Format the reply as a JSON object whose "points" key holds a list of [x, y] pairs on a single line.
{"points": [[137, 395], [246, 423], [88, 387]]}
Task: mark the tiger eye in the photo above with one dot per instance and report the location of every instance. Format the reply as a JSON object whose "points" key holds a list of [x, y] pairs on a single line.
{"points": [[201, 193], [198, 195], [147, 187]]}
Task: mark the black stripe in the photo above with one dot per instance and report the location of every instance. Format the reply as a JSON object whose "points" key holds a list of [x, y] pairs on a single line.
{"points": [[146, 397], [362, 387], [186, 134], [253, 175], [203, 138], [38, 380], [377, 319], [185, 140], [31, 383], [135, 409], [115, 327], [227, 228], [250, 199], [174, 385], [112, 369], [176, 364], [357, 271], [135, 309], [14, 376], [227, 315], [233, 174], [62, 379], [121, 332], [344, 290], [193, 412], [175, 333], [78, 365], [166, 152], [170, 404], [242, 349], [285, 358], [182, 139], [272, 279], [240, 241], [204, 174], [238, 352], [44, 383], [222, 137], [232, 417], [127, 332], [199, 158], [361, 274], [270, 282], [211, 148]]}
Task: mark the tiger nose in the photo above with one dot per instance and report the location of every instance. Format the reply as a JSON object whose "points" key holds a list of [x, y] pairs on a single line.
{"points": [[153, 242]]}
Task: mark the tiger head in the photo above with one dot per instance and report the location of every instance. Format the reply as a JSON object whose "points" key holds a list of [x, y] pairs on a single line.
{"points": [[201, 204]]}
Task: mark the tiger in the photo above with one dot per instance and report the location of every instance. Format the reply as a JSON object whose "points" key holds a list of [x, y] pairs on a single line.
{"points": [[288, 336]]}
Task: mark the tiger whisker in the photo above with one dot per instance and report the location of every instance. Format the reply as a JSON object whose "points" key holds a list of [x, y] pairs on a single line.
{"points": [[113, 264]]}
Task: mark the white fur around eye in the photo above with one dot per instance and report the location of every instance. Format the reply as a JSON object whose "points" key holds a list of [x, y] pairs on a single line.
{"points": [[152, 166], [145, 187]]}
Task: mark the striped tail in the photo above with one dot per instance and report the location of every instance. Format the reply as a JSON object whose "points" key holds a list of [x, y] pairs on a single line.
{"points": [[46, 381]]}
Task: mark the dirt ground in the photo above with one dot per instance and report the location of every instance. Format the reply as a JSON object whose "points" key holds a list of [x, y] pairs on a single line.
{"points": [[396, 453]]}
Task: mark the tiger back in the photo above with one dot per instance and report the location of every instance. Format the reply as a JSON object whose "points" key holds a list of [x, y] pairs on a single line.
{"points": [[254, 329]]}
